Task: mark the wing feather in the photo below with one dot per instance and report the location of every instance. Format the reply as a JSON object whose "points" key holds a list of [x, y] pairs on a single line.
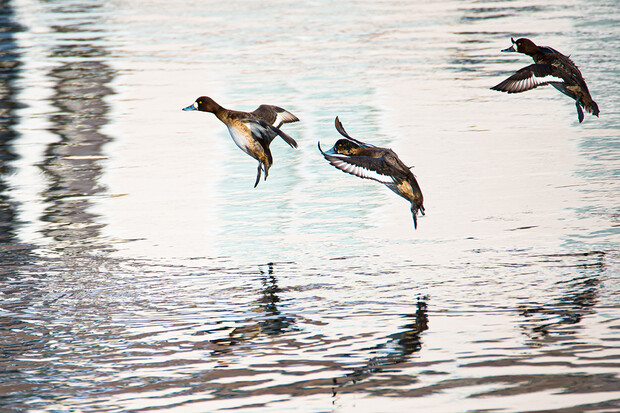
{"points": [[351, 166], [284, 116], [363, 167], [267, 132], [344, 133], [528, 78], [274, 115]]}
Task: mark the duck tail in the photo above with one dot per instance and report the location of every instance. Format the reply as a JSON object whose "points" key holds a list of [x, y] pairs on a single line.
{"points": [[272, 131], [277, 131], [287, 139], [593, 109]]}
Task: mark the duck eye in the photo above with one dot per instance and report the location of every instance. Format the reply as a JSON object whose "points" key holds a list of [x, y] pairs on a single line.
{"points": [[200, 102]]}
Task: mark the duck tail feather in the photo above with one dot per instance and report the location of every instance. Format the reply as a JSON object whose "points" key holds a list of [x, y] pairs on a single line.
{"points": [[594, 108], [292, 143]]}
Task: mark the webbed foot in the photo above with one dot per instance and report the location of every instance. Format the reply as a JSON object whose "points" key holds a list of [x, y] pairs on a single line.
{"points": [[579, 111], [258, 175]]}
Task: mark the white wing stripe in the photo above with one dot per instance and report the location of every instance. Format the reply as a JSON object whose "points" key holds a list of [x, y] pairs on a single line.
{"points": [[284, 117], [529, 83], [361, 171]]}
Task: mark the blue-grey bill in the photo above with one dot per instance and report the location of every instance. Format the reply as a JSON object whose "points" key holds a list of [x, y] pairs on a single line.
{"points": [[328, 152]]}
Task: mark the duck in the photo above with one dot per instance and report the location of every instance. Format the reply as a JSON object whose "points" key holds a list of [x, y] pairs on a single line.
{"points": [[253, 131], [550, 68], [380, 164]]}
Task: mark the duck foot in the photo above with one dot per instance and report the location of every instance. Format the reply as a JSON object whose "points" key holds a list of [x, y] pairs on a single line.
{"points": [[579, 111], [258, 175]]}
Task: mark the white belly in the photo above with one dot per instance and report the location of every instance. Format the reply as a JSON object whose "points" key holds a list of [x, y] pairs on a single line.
{"points": [[241, 138]]}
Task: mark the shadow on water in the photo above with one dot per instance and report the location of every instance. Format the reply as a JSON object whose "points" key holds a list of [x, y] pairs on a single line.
{"points": [[73, 163]]}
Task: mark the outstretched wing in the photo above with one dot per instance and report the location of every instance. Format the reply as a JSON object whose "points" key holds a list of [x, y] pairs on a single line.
{"points": [[528, 78], [344, 133], [274, 115], [365, 167]]}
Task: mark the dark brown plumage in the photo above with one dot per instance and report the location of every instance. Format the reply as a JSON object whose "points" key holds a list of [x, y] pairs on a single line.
{"points": [[274, 114], [380, 164], [550, 68], [254, 131]]}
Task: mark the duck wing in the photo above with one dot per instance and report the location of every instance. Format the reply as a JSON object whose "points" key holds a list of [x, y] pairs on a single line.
{"points": [[567, 69], [274, 115], [344, 133], [549, 50], [528, 78], [379, 169], [266, 132]]}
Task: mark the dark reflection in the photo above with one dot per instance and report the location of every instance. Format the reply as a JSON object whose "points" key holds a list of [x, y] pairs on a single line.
{"points": [[9, 72], [71, 166], [73, 163], [269, 320], [274, 322], [399, 347], [547, 322], [396, 350], [476, 14], [15, 337]]}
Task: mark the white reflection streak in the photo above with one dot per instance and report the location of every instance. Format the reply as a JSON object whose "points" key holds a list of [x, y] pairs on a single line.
{"points": [[33, 127]]}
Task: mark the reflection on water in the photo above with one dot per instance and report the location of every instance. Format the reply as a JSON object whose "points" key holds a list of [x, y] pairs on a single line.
{"points": [[268, 319], [72, 164], [399, 347], [9, 72], [140, 270], [579, 296], [275, 323]]}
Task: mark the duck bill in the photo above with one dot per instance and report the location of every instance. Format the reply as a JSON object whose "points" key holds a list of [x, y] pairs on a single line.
{"points": [[511, 48], [327, 152], [331, 151], [191, 107]]}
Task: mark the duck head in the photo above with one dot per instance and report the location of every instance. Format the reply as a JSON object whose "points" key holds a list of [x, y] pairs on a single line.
{"points": [[345, 147], [203, 104], [521, 45]]}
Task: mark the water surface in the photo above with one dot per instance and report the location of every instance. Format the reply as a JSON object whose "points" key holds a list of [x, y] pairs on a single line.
{"points": [[141, 271]]}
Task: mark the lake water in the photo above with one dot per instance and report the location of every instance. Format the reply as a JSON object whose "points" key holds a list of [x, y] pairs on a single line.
{"points": [[141, 271]]}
